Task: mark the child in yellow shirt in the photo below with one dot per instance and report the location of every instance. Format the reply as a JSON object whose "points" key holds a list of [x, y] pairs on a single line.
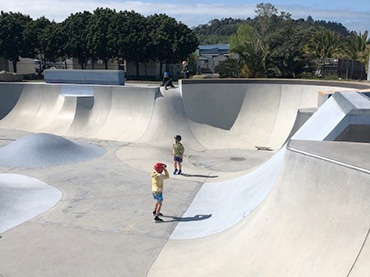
{"points": [[157, 188]]}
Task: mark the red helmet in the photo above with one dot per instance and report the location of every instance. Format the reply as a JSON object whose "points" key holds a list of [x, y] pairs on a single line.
{"points": [[159, 167]]}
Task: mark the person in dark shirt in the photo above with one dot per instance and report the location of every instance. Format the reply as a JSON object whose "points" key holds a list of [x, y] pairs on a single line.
{"points": [[167, 81]]}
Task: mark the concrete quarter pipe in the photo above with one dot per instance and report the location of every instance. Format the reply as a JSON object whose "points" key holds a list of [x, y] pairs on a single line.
{"points": [[301, 210]]}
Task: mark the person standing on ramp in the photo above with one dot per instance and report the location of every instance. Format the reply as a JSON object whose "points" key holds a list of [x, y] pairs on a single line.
{"points": [[157, 188], [178, 154]]}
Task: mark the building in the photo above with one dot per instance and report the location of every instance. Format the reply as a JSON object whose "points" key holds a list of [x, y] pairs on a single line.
{"points": [[209, 57]]}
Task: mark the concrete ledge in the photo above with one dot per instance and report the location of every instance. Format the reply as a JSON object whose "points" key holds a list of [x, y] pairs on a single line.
{"points": [[10, 77], [98, 77], [352, 85]]}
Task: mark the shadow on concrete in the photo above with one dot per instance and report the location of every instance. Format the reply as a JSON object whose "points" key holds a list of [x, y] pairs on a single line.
{"points": [[196, 175], [197, 217]]}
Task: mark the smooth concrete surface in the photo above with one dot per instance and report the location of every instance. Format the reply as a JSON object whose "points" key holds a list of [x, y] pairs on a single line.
{"points": [[230, 201], [103, 225], [37, 150], [266, 114], [22, 198], [314, 222]]}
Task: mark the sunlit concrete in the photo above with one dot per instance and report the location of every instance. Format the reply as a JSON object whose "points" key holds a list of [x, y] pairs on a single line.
{"points": [[235, 211]]}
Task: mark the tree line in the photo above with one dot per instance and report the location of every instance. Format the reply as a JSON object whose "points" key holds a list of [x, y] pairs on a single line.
{"points": [[218, 31], [274, 45], [104, 34]]}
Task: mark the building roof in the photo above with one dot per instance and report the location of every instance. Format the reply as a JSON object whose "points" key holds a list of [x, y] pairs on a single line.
{"points": [[214, 49], [211, 46]]}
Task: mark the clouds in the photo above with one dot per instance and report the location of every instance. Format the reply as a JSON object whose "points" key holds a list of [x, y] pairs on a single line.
{"points": [[191, 13]]}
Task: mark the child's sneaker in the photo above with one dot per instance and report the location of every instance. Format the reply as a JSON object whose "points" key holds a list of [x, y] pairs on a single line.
{"points": [[157, 219], [179, 173], [160, 214], [175, 172]]}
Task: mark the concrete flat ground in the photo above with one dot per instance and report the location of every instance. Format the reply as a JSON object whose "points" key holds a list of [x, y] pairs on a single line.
{"points": [[103, 224], [236, 210]]}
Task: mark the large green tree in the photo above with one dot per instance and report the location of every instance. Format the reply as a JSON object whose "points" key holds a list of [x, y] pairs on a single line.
{"points": [[161, 29], [75, 28], [185, 42], [264, 21], [170, 41], [357, 46], [271, 45], [217, 31], [132, 38], [33, 38], [325, 44], [101, 40], [286, 48], [52, 40], [12, 42], [251, 49]]}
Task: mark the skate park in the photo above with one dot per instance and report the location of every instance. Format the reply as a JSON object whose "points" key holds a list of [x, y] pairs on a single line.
{"points": [[75, 195]]}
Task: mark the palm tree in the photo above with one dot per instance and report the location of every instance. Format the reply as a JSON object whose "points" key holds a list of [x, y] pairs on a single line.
{"points": [[251, 50], [325, 44], [357, 46]]}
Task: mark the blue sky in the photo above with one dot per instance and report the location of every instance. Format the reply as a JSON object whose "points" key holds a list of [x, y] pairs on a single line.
{"points": [[353, 15]]}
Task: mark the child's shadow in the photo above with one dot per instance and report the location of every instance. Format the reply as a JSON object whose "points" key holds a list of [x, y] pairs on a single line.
{"points": [[196, 175], [187, 219]]}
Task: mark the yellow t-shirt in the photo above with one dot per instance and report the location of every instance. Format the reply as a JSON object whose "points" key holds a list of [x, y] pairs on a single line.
{"points": [[178, 149], [157, 181]]}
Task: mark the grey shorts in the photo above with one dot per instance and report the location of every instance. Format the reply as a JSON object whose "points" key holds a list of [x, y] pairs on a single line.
{"points": [[177, 159]]}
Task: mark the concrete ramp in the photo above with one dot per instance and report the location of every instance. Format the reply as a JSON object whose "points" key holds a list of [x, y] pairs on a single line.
{"points": [[314, 222], [40, 108], [130, 111], [32, 98], [208, 116], [23, 198], [230, 201], [244, 115], [169, 119], [37, 150], [9, 96], [234, 212], [108, 112]]}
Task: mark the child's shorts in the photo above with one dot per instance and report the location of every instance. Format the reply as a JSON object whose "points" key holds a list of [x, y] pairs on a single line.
{"points": [[177, 159], [158, 197]]}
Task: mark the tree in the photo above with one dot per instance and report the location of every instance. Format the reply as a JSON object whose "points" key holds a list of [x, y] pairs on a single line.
{"points": [[130, 29], [324, 44], [230, 68], [170, 42], [217, 31], [161, 30], [33, 38], [52, 40], [251, 50], [101, 42], [357, 46], [12, 42], [264, 19], [286, 46], [75, 28], [185, 43]]}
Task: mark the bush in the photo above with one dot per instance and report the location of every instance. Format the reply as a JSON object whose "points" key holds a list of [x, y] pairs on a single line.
{"points": [[229, 68]]}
